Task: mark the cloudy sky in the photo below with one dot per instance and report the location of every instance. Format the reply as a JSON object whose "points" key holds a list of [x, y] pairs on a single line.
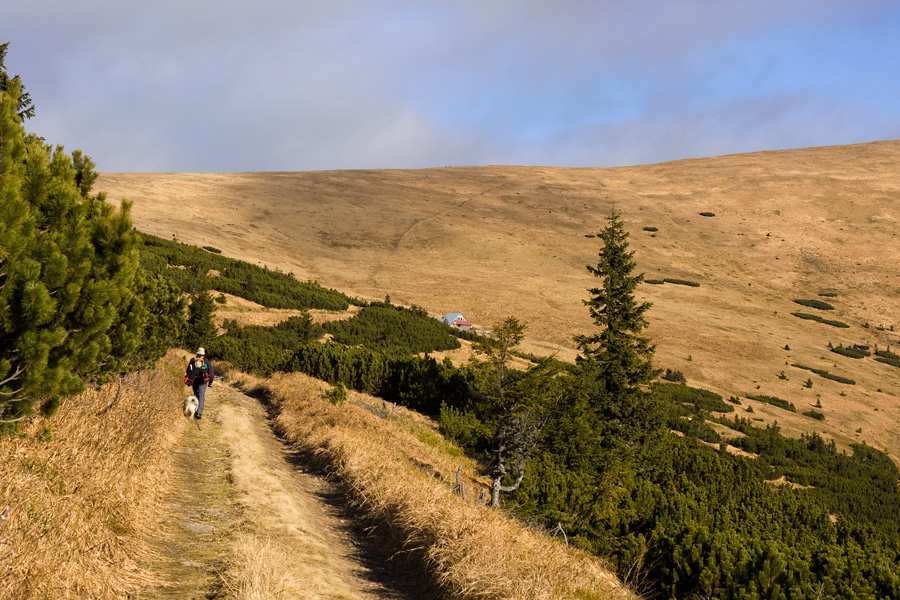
{"points": [[228, 85]]}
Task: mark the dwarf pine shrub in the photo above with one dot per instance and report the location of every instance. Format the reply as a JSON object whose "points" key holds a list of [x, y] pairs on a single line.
{"points": [[681, 282], [774, 401], [819, 304], [819, 319], [676, 376], [854, 351], [818, 415], [826, 374]]}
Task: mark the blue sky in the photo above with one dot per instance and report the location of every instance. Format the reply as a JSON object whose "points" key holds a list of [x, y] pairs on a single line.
{"points": [[290, 85]]}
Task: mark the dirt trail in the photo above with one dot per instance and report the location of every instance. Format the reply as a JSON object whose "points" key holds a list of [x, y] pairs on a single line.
{"points": [[246, 520]]}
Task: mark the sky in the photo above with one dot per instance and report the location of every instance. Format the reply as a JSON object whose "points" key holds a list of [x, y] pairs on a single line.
{"points": [[298, 85]]}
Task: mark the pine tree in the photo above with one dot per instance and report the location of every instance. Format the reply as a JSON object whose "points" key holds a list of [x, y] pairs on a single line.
{"points": [[24, 105], [68, 260], [618, 357]]}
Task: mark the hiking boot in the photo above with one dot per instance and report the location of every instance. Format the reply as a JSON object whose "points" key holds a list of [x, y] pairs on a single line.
{"points": [[197, 417]]}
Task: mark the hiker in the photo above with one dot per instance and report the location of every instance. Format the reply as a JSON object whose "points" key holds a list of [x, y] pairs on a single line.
{"points": [[199, 375]]}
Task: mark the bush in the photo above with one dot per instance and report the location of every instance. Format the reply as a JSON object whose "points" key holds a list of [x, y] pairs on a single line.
{"points": [[828, 294], [826, 374], [682, 282], [394, 330], [651, 229], [774, 401], [684, 394], [810, 317], [676, 376], [707, 214], [337, 395], [465, 428], [654, 281], [815, 304], [818, 415], [272, 289], [854, 351], [894, 362]]}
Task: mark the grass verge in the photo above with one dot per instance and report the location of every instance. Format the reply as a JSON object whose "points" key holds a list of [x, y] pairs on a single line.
{"points": [[397, 476], [79, 491]]}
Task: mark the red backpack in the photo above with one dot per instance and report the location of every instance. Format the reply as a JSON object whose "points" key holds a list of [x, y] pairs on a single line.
{"points": [[198, 372]]}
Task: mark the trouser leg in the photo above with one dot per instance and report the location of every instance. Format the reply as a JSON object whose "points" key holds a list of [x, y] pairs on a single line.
{"points": [[200, 392]]}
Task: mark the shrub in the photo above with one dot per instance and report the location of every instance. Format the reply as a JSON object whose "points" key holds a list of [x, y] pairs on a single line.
{"points": [[894, 362], [651, 229], [681, 282], [676, 376], [810, 317], [828, 294], [826, 374], [774, 401], [273, 289], [707, 214], [337, 395], [815, 304], [464, 427], [818, 415], [212, 249], [393, 330], [702, 399], [854, 351], [654, 281]]}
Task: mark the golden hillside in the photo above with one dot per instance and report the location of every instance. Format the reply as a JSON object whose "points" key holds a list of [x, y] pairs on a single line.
{"points": [[496, 241]]}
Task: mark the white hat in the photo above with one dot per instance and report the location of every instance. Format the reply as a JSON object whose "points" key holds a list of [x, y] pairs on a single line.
{"points": [[201, 351]]}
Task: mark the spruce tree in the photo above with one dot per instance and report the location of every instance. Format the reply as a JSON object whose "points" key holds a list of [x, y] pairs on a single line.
{"points": [[617, 357]]}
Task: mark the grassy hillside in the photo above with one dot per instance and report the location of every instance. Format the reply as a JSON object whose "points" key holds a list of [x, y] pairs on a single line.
{"points": [[756, 232]]}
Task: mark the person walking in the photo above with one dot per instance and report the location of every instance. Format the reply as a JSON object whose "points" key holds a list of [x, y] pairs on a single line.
{"points": [[199, 375]]}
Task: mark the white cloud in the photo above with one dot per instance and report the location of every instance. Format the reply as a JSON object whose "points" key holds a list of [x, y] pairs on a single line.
{"points": [[213, 85]]}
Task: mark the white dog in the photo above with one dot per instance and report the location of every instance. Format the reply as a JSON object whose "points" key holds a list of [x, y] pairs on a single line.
{"points": [[191, 404]]}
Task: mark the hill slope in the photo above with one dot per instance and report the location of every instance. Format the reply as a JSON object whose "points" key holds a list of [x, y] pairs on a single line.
{"points": [[498, 241]]}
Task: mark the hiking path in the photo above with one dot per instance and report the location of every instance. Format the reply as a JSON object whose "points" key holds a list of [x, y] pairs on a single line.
{"points": [[247, 519]]}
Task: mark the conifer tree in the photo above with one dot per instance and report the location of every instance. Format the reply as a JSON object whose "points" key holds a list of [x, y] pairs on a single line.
{"points": [[617, 356], [68, 312], [24, 105], [512, 401], [201, 329]]}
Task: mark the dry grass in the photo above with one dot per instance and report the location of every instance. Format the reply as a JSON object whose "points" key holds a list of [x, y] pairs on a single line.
{"points": [[262, 569], [82, 491], [399, 472], [497, 241]]}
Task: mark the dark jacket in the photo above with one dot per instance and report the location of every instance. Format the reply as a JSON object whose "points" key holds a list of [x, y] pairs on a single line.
{"points": [[195, 375]]}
